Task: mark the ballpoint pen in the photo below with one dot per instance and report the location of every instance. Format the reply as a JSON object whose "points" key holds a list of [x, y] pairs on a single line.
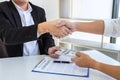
{"points": [[56, 61]]}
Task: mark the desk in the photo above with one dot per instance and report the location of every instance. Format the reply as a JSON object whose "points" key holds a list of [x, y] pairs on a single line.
{"points": [[19, 68]]}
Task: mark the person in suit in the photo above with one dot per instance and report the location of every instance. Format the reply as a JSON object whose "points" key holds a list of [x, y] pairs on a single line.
{"points": [[3, 53], [104, 27], [24, 30]]}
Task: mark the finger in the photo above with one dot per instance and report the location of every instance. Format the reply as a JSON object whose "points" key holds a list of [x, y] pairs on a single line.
{"points": [[68, 31], [57, 48], [54, 55], [56, 36], [78, 54], [64, 31], [61, 23], [64, 35], [61, 34], [74, 59]]}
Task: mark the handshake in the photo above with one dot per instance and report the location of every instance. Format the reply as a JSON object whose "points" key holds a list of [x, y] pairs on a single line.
{"points": [[57, 28]]}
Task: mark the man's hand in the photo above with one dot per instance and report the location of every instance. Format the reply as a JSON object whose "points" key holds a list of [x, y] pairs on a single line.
{"points": [[52, 50], [69, 25], [52, 28], [84, 60]]}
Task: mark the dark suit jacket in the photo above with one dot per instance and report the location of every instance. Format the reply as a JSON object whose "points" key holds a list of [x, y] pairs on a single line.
{"points": [[3, 52], [14, 35]]}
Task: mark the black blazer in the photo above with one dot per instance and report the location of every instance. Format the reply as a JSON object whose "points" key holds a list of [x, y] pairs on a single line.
{"points": [[14, 35], [3, 53]]}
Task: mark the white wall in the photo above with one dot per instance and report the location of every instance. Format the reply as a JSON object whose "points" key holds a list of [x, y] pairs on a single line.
{"points": [[86, 9], [92, 9], [51, 7]]}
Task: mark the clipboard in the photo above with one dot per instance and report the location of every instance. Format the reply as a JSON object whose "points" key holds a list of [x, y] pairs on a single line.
{"points": [[47, 66]]}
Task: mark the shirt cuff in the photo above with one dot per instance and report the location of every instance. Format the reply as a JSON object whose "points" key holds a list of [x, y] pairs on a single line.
{"points": [[38, 35], [107, 27]]}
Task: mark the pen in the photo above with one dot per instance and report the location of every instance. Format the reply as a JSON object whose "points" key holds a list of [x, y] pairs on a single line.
{"points": [[55, 61]]}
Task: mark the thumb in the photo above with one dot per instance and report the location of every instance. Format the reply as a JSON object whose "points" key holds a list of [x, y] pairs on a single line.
{"points": [[74, 59], [57, 48], [61, 23], [78, 54]]}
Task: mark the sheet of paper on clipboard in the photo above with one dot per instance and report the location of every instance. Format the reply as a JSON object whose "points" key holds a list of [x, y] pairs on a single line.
{"points": [[70, 69]]}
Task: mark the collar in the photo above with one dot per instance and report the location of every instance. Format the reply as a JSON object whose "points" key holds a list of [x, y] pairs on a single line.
{"points": [[20, 9]]}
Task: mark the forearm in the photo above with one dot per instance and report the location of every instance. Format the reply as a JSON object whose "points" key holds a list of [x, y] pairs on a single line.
{"points": [[84, 60], [48, 41], [96, 27], [18, 35], [42, 28], [113, 71], [52, 28]]}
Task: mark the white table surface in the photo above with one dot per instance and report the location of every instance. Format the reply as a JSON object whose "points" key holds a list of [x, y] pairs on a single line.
{"points": [[20, 68]]}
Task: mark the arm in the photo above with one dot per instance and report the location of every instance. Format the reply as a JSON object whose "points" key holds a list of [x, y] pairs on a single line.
{"points": [[108, 27], [51, 27], [11, 30], [84, 60], [10, 34], [96, 27], [3, 52], [47, 41], [113, 71]]}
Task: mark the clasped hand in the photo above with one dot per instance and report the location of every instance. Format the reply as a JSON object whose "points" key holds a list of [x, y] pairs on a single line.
{"points": [[57, 28]]}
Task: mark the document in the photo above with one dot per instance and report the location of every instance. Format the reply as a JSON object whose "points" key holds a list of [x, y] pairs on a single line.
{"points": [[61, 66]]}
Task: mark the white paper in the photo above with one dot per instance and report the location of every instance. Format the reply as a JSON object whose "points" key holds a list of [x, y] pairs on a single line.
{"points": [[48, 66]]}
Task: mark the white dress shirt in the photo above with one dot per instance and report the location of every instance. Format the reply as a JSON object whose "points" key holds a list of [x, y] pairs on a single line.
{"points": [[112, 27], [29, 48]]}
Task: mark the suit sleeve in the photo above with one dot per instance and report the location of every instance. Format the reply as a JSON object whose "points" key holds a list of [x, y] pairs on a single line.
{"points": [[47, 38], [11, 34]]}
